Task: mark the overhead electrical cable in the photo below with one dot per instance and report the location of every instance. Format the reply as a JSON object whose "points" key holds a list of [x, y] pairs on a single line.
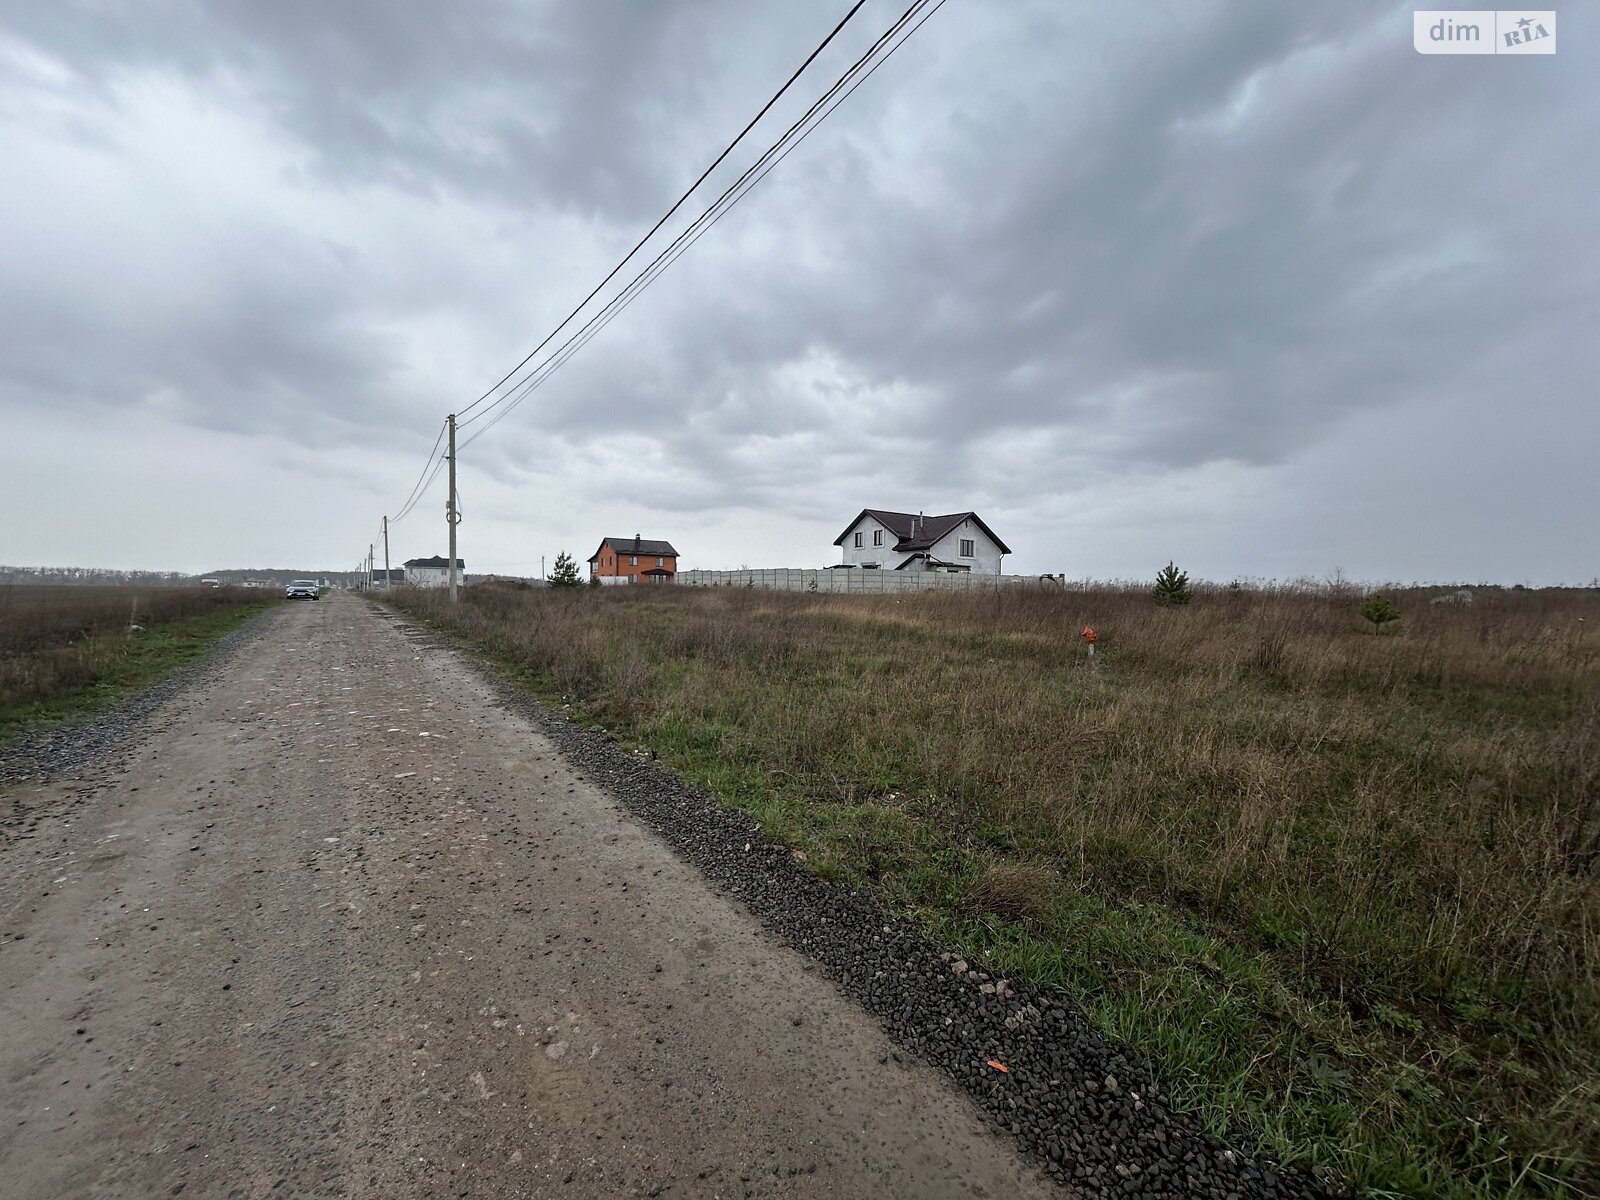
{"points": [[731, 190], [852, 78], [420, 487], [439, 466], [654, 271], [436, 443], [810, 58]]}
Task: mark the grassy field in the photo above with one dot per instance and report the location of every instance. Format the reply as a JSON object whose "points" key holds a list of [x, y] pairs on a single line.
{"points": [[1343, 888], [68, 650]]}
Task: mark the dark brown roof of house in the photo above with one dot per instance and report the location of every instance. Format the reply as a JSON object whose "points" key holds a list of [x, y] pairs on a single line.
{"points": [[635, 545], [904, 526]]}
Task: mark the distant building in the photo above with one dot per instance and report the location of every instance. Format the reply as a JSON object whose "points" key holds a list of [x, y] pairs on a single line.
{"points": [[897, 541], [433, 572], [636, 559], [396, 574]]}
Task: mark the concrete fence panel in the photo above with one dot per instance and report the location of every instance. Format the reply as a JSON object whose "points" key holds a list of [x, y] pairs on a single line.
{"points": [[857, 581]]}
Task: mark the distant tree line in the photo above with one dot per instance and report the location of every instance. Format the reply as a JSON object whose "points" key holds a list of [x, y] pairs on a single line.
{"points": [[107, 576]]}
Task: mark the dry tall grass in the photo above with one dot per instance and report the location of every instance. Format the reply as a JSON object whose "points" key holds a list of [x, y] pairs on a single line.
{"points": [[1400, 833], [56, 642]]}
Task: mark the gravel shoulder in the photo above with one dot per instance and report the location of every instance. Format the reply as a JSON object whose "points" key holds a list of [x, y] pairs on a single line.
{"points": [[345, 924]]}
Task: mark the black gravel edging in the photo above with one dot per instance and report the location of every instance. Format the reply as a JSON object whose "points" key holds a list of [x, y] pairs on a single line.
{"points": [[98, 743], [1092, 1113]]}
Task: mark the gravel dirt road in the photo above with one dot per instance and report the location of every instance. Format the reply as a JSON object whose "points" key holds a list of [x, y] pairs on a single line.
{"points": [[342, 924]]}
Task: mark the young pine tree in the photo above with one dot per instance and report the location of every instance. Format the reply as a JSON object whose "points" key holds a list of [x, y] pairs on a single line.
{"points": [[565, 572], [1172, 586], [1379, 610]]}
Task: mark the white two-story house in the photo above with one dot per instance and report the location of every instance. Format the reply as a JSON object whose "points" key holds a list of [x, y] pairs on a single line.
{"points": [[433, 572], [896, 541]]}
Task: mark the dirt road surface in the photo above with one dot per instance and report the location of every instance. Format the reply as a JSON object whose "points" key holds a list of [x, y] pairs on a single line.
{"points": [[346, 926]]}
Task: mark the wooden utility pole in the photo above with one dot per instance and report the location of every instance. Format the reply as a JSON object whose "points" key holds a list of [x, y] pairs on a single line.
{"points": [[450, 508], [386, 575]]}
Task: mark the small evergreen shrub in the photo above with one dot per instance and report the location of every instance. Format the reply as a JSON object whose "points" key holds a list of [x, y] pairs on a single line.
{"points": [[565, 572], [1379, 610], [1172, 586]]}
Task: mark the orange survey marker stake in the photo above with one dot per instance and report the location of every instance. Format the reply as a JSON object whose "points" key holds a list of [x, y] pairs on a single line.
{"points": [[999, 1066]]}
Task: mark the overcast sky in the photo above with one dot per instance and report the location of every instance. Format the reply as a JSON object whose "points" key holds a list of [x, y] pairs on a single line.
{"points": [[1249, 285]]}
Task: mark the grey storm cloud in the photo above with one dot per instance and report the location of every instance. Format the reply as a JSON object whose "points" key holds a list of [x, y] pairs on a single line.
{"points": [[493, 98], [262, 356], [1045, 244], [1263, 231]]}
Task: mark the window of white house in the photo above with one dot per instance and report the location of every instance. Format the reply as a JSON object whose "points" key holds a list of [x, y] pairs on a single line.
{"points": [[967, 549], [877, 537], [858, 541], [633, 560]]}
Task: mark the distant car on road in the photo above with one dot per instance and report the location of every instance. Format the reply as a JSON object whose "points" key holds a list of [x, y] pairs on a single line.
{"points": [[303, 589]]}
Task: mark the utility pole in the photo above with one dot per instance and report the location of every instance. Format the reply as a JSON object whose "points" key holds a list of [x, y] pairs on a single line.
{"points": [[370, 549], [386, 575], [450, 508]]}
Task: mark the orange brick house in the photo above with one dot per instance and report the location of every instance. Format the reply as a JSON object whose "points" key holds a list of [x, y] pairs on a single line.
{"points": [[636, 559]]}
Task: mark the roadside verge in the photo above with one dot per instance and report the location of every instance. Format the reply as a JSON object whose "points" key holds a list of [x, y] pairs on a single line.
{"points": [[75, 728], [1093, 1113]]}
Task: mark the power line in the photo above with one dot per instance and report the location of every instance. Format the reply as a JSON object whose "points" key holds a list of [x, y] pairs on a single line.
{"points": [[741, 187], [419, 487], [655, 272], [619, 299], [439, 466], [810, 58]]}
